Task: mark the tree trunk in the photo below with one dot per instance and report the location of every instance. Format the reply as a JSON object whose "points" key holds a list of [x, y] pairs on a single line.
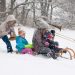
{"points": [[2, 5], [12, 6], [34, 11], [51, 12], [45, 7], [2, 9]]}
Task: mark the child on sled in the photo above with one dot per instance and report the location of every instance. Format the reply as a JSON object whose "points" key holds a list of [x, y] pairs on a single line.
{"points": [[49, 41], [22, 44]]}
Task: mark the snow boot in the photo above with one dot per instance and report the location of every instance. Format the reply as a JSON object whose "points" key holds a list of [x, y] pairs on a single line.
{"points": [[52, 54], [9, 50]]}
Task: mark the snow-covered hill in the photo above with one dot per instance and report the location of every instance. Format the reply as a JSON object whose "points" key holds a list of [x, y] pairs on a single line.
{"points": [[16, 64]]}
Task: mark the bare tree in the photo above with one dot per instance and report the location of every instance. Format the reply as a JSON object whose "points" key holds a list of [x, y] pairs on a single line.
{"points": [[2, 9], [2, 5], [57, 11], [12, 6]]}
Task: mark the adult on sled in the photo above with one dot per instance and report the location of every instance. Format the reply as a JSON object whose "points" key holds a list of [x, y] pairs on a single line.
{"points": [[7, 27], [38, 41]]}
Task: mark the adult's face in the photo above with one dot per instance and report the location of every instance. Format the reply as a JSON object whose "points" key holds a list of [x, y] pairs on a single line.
{"points": [[43, 31], [11, 23]]}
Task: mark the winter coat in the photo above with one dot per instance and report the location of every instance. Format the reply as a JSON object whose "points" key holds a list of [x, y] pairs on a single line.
{"points": [[38, 43], [20, 43], [4, 28]]}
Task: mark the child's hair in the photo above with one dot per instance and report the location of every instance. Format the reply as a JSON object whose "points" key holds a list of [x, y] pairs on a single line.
{"points": [[20, 31]]}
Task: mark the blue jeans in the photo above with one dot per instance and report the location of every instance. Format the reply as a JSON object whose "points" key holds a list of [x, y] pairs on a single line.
{"points": [[7, 42]]}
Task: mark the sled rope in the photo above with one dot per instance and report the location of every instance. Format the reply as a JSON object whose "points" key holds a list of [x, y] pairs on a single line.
{"points": [[65, 37]]}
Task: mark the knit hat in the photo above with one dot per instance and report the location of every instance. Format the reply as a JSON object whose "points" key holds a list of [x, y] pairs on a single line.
{"points": [[53, 32], [20, 31]]}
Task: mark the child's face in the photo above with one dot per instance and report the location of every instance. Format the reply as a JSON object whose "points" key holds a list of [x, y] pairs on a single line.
{"points": [[50, 37], [22, 34]]}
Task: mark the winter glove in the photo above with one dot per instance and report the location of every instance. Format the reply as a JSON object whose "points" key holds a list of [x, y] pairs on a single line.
{"points": [[29, 46]]}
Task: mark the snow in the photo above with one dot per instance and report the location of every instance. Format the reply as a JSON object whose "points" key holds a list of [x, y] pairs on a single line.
{"points": [[17, 64]]}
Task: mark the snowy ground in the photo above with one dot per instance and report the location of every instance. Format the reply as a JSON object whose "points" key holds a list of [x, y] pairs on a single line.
{"points": [[16, 64]]}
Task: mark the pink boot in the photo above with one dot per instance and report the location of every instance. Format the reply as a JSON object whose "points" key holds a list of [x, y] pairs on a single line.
{"points": [[27, 50]]}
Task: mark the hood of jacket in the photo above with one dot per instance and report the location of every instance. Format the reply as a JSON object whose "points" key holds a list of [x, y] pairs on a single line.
{"points": [[10, 18], [41, 23], [4, 28]]}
